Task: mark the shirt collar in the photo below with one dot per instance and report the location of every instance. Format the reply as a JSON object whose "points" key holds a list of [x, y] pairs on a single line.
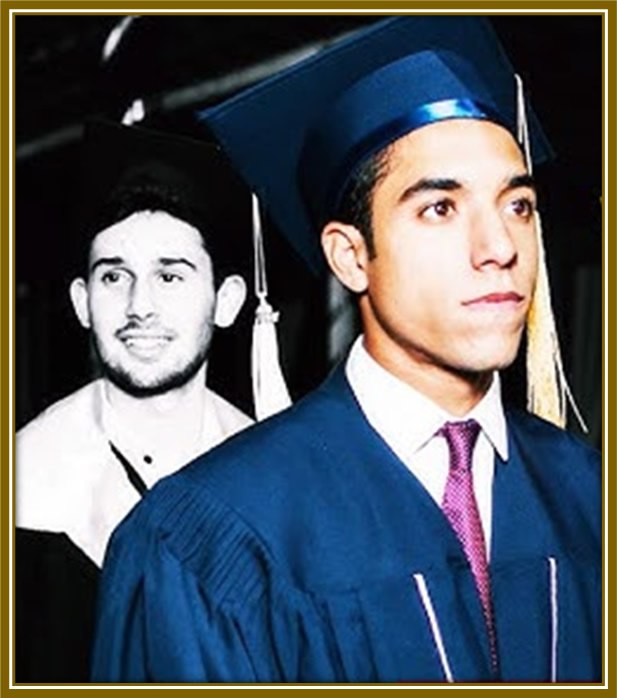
{"points": [[113, 430], [124, 439], [388, 403]]}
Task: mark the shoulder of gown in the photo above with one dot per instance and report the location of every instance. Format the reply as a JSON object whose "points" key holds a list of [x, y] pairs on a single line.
{"points": [[191, 561]]}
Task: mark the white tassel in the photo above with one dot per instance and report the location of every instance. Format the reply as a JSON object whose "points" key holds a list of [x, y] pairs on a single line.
{"points": [[270, 394], [548, 392]]}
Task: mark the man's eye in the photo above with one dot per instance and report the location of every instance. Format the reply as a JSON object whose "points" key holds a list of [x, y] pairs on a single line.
{"points": [[168, 277], [111, 277], [522, 208], [438, 210]]}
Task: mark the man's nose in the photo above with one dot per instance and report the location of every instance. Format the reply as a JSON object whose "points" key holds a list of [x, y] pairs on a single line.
{"points": [[492, 244], [141, 300]]}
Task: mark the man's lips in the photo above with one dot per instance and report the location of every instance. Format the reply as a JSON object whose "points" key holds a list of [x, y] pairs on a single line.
{"points": [[128, 334], [492, 299], [142, 336], [145, 345]]}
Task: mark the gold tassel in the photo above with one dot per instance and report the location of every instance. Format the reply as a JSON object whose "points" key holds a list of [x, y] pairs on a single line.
{"points": [[545, 377], [548, 392]]}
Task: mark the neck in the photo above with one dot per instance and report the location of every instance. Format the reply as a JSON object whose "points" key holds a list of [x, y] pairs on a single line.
{"points": [[175, 415], [456, 392]]}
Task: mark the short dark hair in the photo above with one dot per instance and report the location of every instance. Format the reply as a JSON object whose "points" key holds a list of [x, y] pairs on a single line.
{"points": [[151, 194], [357, 199], [127, 169]]}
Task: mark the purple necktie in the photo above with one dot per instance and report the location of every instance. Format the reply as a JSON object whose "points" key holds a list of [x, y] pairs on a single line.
{"points": [[460, 508]]}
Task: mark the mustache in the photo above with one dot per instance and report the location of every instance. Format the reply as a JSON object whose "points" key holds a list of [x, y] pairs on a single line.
{"points": [[135, 327]]}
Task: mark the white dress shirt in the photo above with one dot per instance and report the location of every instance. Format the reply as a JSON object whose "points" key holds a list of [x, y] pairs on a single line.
{"points": [[408, 422], [68, 479]]}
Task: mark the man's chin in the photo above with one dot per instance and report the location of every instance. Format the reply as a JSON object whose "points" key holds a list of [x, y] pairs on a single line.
{"points": [[151, 386], [497, 351], [143, 390], [488, 363]]}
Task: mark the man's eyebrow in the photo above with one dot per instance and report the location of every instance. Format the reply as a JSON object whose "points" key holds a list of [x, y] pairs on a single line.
{"points": [[448, 184], [169, 261], [523, 180], [430, 184], [106, 262], [163, 261]]}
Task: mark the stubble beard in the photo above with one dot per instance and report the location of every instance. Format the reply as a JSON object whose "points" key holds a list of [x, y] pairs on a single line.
{"points": [[129, 383]]}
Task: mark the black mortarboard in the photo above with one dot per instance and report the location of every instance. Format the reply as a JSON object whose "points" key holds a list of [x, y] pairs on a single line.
{"points": [[127, 169], [299, 136]]}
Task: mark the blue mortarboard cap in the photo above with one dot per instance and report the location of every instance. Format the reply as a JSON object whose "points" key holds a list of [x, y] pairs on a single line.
{"points": [[298, 137]]}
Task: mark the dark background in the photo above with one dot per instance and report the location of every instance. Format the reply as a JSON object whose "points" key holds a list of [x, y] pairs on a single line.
{"points": [[178, 64]]}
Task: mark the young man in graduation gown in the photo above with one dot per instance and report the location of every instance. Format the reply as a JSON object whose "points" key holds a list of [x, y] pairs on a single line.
{"points": [[396, 525], [158, 238]]}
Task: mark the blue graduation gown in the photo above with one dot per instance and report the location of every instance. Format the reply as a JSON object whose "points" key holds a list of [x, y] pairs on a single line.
{"points": [[304, 551]]}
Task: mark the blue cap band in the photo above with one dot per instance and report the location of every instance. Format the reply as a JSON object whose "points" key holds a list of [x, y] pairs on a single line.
{"points": [[381, 107], [388, 133]]}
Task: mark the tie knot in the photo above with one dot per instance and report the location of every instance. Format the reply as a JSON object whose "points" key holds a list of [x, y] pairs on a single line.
{"points": [[461, 438]]}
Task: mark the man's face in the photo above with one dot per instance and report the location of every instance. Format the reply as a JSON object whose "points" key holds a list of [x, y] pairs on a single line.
{"points": [[149, 300], [456, 253]]}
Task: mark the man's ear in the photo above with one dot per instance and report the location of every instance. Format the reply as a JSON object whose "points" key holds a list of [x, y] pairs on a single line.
{"points": [[347, 254], [229, 300], [78, 291]]}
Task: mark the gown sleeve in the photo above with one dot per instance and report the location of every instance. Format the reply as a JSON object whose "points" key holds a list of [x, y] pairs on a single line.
{"points": [[171, 603], [193, 592]]}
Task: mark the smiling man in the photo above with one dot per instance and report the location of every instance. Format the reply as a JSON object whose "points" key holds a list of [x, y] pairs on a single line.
{"points": [[156, 285], [398, 524], [150, 302]]}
